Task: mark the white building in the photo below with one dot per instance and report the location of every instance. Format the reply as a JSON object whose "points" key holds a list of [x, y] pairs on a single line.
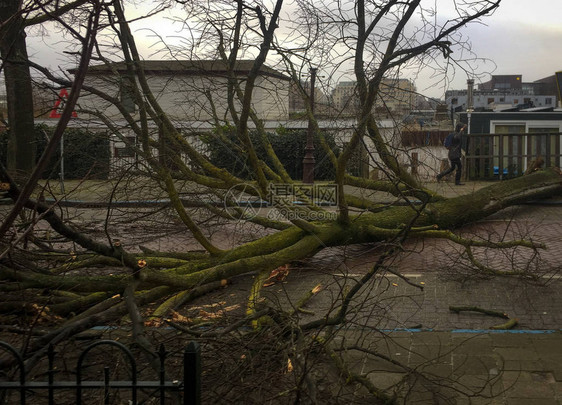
{"points": [[345, 96], [189, 90], [396, 95], [506, 92], [494, 100], [194, 93]]}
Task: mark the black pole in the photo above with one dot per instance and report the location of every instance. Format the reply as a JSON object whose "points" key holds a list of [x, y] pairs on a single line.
{"points": [[192, 374], [308, 161]]}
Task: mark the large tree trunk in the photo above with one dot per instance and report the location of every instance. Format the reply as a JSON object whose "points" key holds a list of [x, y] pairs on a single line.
{"points": [[21, 145], [293, 244]]}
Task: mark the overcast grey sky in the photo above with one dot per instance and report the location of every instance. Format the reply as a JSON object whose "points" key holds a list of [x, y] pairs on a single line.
{"points": [[521, 37]]}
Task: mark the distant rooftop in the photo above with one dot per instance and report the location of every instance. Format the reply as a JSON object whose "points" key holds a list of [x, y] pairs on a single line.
{"points": [[187, 67]]}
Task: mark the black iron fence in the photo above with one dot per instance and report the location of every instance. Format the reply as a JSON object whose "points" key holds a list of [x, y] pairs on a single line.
{"points": [[20, 390], [501, 156]]}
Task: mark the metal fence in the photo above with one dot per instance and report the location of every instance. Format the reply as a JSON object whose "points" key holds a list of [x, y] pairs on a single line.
{"points": [[501, 156], [23, 390]]}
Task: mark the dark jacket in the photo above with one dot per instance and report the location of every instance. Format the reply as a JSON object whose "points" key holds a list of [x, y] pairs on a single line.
{"points": [[455, 149]]}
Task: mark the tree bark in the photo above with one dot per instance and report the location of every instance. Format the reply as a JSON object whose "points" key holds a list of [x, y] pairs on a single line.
{"points": [[13, 49]]}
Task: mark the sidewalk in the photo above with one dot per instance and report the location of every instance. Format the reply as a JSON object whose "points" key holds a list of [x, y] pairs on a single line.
{"points": [[521, 366], [468, 368], [467, 363], [449, 358]]}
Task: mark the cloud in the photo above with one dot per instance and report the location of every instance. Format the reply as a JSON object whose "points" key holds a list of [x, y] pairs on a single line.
{"points": [[530, 50], [508, 47]]}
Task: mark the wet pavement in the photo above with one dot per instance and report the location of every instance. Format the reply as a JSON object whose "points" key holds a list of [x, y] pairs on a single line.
{"points": [[500, 367], [466, 361], [445, 357]]}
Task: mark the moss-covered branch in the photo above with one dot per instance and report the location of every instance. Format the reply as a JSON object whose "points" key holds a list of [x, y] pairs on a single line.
{"points": [[494, 272], [479, 310]]}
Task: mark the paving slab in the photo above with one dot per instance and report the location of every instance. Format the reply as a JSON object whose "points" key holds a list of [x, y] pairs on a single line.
{"points": [[474, 367]]}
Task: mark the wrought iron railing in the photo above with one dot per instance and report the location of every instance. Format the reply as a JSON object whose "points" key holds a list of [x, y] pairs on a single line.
{"points": [[22, 391]]}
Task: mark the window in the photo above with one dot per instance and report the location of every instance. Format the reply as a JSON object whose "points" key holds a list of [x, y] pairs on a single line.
{"points": [[510, 129], [538, 142], [548, 101], [125, 151], [544, 130], [454, 101], [491, 100]]}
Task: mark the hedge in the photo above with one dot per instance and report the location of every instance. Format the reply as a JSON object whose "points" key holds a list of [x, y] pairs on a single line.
{"points": [[288, 144], [86, 153]]}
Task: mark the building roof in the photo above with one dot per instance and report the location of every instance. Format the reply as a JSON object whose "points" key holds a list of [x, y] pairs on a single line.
{"points": [[188, 67], [324, 124], [537, 109]]}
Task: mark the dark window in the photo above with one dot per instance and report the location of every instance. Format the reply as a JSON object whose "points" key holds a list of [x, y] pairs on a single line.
{"points": [[125, 151], [503, 85], [491, 100], [510, 129], [548, 101]]}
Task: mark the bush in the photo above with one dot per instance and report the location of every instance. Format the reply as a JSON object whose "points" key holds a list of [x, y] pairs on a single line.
{"points": [[288, 144], [86, 154]]}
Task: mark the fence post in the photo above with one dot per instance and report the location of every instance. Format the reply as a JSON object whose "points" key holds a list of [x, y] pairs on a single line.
{"points": [[106, 385], [192, 374], [51, 358], [162, 355]]}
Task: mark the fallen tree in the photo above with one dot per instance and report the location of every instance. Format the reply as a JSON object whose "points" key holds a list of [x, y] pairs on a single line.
{"points": [[148, 284], [434, 220]]}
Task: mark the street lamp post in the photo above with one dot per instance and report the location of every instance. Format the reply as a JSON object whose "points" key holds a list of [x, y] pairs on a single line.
{"points": [[308, 161], [469, 102], [469, 110]]}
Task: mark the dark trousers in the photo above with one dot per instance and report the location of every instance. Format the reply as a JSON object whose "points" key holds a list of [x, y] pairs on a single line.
{"points": [[455, 163]]}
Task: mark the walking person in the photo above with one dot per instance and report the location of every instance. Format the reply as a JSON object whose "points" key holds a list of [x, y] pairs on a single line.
{"points": [[455, 155]]}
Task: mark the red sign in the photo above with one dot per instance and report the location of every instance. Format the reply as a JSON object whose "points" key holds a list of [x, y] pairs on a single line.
{"points": [[56, 112]]}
